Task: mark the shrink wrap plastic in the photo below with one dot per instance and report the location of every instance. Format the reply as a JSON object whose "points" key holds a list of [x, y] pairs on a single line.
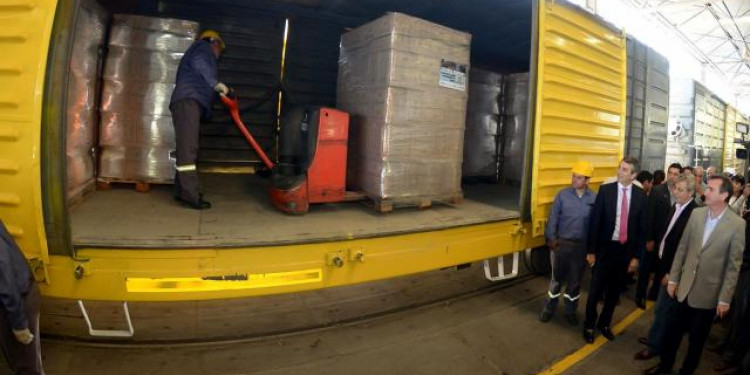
{"points": [[136, 133], [404, 82]]}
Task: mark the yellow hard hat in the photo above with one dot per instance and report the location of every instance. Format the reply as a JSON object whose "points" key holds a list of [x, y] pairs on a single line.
{"points": [[583, 168], [213, 35]]}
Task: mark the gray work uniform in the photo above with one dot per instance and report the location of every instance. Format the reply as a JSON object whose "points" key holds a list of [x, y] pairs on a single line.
{"points": [[568, 223]]}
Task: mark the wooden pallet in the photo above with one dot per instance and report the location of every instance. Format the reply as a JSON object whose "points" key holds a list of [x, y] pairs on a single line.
{"points": [[139, 186], [389, 204], [77, 195]]}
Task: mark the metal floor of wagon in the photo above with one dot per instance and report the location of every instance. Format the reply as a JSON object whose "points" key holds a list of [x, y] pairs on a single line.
{"points": [[242, 215]]}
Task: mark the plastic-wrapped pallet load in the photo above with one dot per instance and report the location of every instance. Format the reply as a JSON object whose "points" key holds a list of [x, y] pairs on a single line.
{"points": [[85, 58], [482, 131], [515, 125], [137, 137], [403, 80]]}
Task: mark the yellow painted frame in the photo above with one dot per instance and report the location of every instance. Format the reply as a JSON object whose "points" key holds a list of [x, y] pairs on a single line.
{"points": [[578, 115], [185, 274], [104, 273], [25, 31]]}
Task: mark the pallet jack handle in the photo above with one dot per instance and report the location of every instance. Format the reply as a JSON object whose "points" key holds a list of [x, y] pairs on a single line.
{"points": [[233, 105]]}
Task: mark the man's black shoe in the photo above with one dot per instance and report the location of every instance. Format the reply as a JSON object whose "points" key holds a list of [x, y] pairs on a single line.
{"points": [[588, 335], [545, 317], [607, 333], [641, 303], [644, 355], [199, 205], [655, 370]]}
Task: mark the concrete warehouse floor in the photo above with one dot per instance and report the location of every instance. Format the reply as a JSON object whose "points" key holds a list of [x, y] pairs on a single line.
{"points": [[495, 332]]}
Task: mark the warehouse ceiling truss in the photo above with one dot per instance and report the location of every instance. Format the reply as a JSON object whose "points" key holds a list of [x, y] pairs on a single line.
{"points": [[717, 32]]}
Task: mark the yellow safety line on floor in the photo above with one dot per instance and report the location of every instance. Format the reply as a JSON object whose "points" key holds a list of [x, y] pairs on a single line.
{"points": [[577, 356]]}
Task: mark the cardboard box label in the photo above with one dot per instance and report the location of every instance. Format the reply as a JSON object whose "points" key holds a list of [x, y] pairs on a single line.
{"points": [[452, 75]]}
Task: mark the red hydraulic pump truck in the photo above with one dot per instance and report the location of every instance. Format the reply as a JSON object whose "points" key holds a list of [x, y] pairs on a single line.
{"points": [[312, 156]]}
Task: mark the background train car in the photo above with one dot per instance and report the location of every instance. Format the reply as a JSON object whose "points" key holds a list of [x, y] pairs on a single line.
{"points": [[121, 245], [697, 119], [736, 123], [648, 105]]}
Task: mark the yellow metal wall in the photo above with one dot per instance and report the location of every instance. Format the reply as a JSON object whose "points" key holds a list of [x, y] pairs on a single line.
{"points": [[580, 104], [25, 28], [579, 113]]}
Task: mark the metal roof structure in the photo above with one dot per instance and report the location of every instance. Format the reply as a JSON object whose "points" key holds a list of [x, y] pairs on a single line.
{"points": [[717, 33]]}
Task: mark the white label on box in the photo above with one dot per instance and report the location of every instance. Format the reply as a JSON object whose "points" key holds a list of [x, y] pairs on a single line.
{"points": [[452, 75]]}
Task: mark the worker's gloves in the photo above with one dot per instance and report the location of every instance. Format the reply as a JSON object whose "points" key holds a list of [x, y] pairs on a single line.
{"points": [[221, 88], [23, 336]]}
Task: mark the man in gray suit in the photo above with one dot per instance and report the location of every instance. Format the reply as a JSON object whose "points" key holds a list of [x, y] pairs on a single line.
{"points": [[703, 275]]}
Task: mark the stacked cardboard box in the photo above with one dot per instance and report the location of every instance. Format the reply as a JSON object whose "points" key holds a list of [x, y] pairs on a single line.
{"points": [[404, 82]]}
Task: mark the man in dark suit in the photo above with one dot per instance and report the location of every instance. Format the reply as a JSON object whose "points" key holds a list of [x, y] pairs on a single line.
{"points": [[703, 275], [684, 189], [737, 340], [661, 199], [616, 236]]}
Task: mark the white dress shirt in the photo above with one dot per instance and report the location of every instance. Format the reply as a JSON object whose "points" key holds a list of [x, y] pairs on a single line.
{"points": [[678, 208], [711, 224], [628, 191], [672, 198]]}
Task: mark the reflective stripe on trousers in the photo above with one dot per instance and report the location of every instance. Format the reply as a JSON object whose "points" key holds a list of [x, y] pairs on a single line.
{"points": [[568, 264]]}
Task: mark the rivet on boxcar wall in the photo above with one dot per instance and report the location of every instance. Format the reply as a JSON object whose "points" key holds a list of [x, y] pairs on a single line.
{"points": [[79, 271]]}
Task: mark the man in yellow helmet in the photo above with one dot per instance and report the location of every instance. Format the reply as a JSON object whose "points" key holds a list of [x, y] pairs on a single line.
{"points": [[566, 233], [195, 90]]}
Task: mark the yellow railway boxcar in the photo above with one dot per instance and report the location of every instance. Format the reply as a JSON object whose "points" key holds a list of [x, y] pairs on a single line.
{"points": [[115, 246]]}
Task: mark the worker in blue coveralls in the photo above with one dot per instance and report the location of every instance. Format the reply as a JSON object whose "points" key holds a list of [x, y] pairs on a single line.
{"points": [[194, 93], [567, 234]]}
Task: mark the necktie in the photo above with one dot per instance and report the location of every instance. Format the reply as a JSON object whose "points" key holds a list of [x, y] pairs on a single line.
{"points": [[624, 217]]}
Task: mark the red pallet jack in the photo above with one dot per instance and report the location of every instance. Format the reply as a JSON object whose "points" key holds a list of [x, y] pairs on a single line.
{"points": [[312, 157]]}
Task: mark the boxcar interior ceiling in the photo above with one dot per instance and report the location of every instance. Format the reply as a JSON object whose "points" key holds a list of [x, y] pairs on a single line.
{"points": [[501, 30]]}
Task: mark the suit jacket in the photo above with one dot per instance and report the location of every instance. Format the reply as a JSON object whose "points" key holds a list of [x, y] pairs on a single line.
{"points": [[672, 239], [604, 216], [707, 275], [659, 204]]}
